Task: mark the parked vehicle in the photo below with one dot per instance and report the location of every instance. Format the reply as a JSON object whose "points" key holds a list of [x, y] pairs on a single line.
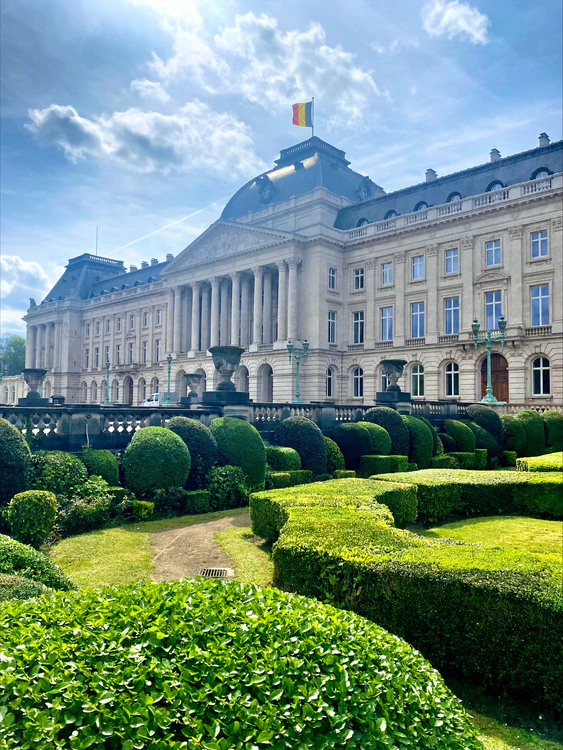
{"points": [[158, 399]]}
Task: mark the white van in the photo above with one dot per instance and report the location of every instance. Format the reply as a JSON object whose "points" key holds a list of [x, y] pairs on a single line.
{"points": [[158, 399]]}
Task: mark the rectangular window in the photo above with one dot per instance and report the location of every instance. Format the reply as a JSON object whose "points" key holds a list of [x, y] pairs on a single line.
{"points": [[86, 358], [118, 354], [106, 353], [332, 278], [452, 315], [332, 327], [358, 279], [97, 357], [107, 325], [387, 324], [145, 319], [118, 325], [386, 274], [145, 352], [493, 253], [452, 260], [87, 330], [417, 320], [493, 309], [418, 267], [158, 317], [358, 326], [157, 350], [540, 305], [97, 328], [131, 322], [539, 244], [130, 352]]}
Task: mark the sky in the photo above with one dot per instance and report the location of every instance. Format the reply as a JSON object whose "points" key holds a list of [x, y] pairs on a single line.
{"points": [[143, 117]]}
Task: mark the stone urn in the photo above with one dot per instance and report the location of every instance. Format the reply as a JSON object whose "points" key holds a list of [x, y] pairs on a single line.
{"points": [[34, 376], [193, 380], [226, 360], [393, 369]]}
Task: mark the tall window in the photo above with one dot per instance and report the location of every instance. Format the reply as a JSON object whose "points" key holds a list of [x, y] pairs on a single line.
{"points": [[130, 353], [118, 325], [386, 274], [159, 317], [97, 357], [116, 391], [97, 328], [107, 325], [358, 327], [540, 305], [452, 379], [452, 315], [539, 244], [145, 319], [118, 354], [329, 382], [540, 377], [94, 396], [387, 324], [157, 350], [492, 250], [358, 382], [418, 267], [359, 279], [384, 381], [332, 326], [87, 330], [332, 278], [417, 380], [106, 358], [145, 353], [493, 309], [155, 385], [142, 389], [131, 322], [452, 260], [417, 320], [87, 358]]}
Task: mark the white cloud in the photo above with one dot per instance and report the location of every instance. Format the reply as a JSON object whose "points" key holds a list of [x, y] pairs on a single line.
{"points": [[150, 90], [194, 137], [22, 275], [455, 19]]}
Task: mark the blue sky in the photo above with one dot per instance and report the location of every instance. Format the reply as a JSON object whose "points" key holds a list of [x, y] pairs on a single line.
{"points": [[134, 114]]}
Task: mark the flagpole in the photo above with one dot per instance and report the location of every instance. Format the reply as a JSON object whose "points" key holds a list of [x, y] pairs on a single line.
{"points": [[313, 116]]}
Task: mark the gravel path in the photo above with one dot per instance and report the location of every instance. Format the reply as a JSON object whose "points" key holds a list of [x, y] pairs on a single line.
{"points": [[184, 552]]}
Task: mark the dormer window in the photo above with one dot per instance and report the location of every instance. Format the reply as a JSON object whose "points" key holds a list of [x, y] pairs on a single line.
{"points": [[453, 197], [497, 185], [422, 206], [390, 214], [540, 174], [362, 223]]}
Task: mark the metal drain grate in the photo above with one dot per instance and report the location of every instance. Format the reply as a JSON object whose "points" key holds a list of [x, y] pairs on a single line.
{"points": [[216, 572]]}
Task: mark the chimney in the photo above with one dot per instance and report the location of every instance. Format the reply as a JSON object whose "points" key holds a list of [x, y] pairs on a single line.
{"points": [[543, 140], [495, 154], [144, 264], [430, 175], [169, 257], [154, 261], [132, 268]]}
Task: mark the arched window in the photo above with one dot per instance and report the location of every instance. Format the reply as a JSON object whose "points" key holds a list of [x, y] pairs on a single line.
{"points": [[358, 382], [13, 398], [417, 380], [390, 214], [496, 185], [142, 390], [329, 382], [541, 377], [155, 385], [452, 379], [116, 391], [84, 398], [362, 223], [422, 206], [540, 173], [94, 392], [453, 197]]}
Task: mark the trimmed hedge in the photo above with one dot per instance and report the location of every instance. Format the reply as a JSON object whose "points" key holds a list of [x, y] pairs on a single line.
{"points": [[390, 420], [334, 457], [15, 462], [25, 561], [421, 442], [463, 459], [280, 458], [156, 458], [508, 458], [461, 434], [535, 432], [488, 419], [197, 501], [481, 455], [448, 443], [101, 463], [305, 437], [435, 439], [276, 480], [217, 664], [239, 444], [549, 462], [32, 516], [514, 435], [344, 474], [484, 439], [553, 425], [443, 462], [382, 465], [201, 445], [380, 439], [18, 587], [227, 487], [58, 472], [354, 440]]}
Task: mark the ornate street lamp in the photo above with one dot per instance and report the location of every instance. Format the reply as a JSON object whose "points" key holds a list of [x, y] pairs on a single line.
{"points": [[299, 354], [107, 402], [489, 397], [168, 402]]}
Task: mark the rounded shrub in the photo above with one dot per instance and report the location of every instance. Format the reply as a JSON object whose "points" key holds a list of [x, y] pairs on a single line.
{"points": [[392, 422], [535, 432], [239, 444], [354, 440], [285, 687], [101, 463], [87, 509], [202, 446], [334, 457], [380, 440], [32, 516], [280, 458], [25, 561], [58, 472], [421, 443], [154, 459], [553, 425], [448, 443], [462, 435], [514, 435], [484, 439], [15, 462], [227, 487], [18, 587], [435, 445], [306, 438], [488, 419]]}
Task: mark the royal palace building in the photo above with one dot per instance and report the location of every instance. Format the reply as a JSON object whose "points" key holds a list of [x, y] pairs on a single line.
{"points": [[312, 250]]}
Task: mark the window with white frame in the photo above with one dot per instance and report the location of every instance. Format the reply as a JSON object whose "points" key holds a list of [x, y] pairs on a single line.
{"points": [[452, 379], [359, 279], [492, 253], [106, 353], [118, 354], [417, 320], [358, 382], [145, 353], [130, 353], [358, 327], [86, 358], [145, 319], [107, 325], [118, 325], [97, 357], [540, 305], [142, 389], [332, 326], [157, 350], [541, 385], [539, 244], [493, 309], [451, 315], [384, 382], [332, 279], [452, 260], [329, 382], [418, 267], [97, 328], [386, 274], [131, 322], [387, 324], [417, 380], [159, 317], [87, 330], [116, 391]]}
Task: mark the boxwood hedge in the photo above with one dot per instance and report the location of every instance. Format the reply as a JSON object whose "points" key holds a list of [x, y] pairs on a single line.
{"points": [[380, 439], [392, 422], [461, 434], [421, 442], [58, 472], [553, 424], [487, 418], [18, 587], [484, 439], [533, 426], [280, 458], [462, 459], [448, 443], [239, 444], [382, 465], [101, 463], [201, 445], [305, 437], [354, 440], [155, 459], [549, 462], [32, 516], [25, 561], [15, 462], [514, 435], [334, 457]]}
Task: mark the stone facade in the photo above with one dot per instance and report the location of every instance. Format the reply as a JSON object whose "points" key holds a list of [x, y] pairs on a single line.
{"points": [[360, 280]]}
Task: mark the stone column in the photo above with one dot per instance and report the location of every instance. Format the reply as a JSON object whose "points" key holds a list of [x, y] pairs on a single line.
{"points": [[513, 309], [186, 320], [205, 319], [432, 312], [257, 327], [215, 290], [292, 299], [195, 285], [224, 333], [370, 304], [31, 346], [245, 311], [235, 308], [168, 342], [467, 312], [267, 312], [41, 345], [177, 320], [58, 343], [49, 344], [399, 313], [282, 301]]}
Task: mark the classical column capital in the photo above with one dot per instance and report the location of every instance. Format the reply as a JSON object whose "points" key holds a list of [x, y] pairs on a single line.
{"points": [[516, 233], [258, 271], [371, 263], [557, 224], [215, 281], [235, 276], [195, 285], [432, 251], [281, 264], [293, 262], [400, 257], [467, 243]]}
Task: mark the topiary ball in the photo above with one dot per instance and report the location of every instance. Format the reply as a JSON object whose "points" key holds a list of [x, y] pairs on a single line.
{"points": [[553, 424], [421, 443], [202, 446], [155, 458], [15, 462], [31, 516], [488, 419], [354, 440], [101, 463], [462, 434], [58, 472], [280, 458], [18, 587], [380, 439], [239, 444], [307, 439], [392, 422], [535, 432], [514, 435], [334, 457]]}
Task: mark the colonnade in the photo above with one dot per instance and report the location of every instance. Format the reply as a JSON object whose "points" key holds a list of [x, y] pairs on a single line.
{"points": [[43, 345]]}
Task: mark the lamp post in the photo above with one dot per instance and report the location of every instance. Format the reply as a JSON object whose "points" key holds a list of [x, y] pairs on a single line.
{"points": [[489, 397], [107, 402], [168, 402], [299, 354]]}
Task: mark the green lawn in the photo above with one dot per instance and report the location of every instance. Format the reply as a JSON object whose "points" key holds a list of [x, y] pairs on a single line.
{"points": [[497, 736], [250, 555]]}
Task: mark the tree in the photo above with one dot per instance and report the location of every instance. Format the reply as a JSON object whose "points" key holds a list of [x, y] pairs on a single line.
{"points": [[12, 354]]}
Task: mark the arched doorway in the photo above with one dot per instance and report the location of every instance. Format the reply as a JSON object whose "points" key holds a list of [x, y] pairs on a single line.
{"points": [[202, 387], [128, 391], [181, 386], [265, 384], [241, 379], [499, 377]]}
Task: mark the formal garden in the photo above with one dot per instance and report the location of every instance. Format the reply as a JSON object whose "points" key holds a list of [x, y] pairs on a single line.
{"points": [[388, 586]]}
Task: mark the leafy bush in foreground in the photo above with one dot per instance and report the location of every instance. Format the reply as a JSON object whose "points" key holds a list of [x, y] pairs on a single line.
{"points": [[16, 557], [32, 516], [155, 458], [307, 439], [15, 462], [301, 675], [58, 472], [18, 587], [101, 463], [202, 446]]}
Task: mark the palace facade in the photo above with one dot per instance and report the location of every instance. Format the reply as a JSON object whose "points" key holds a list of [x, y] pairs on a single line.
{"points": [[314, 250]]}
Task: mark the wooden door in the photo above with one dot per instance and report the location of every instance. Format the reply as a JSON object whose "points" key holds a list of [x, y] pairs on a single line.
{"points": [[499, 377]]}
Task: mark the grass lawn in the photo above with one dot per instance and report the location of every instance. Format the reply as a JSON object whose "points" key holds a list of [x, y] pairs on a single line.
{"points": [[250, 555], [496, 736]]}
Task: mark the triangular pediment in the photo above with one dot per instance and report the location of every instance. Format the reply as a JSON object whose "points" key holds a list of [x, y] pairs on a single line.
{"points": [[225, 239]]}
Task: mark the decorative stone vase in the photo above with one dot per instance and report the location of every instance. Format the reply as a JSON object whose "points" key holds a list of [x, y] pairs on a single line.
{"points": [[226, 360], [193, 380], [393, 369], [34, 376]]}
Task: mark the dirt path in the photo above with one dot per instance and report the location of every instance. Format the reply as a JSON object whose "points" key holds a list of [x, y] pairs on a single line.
{"points": [[184, 552]]}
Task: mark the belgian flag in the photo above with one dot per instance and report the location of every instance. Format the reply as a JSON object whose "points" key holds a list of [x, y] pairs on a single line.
{"points": [[303, 114]]}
